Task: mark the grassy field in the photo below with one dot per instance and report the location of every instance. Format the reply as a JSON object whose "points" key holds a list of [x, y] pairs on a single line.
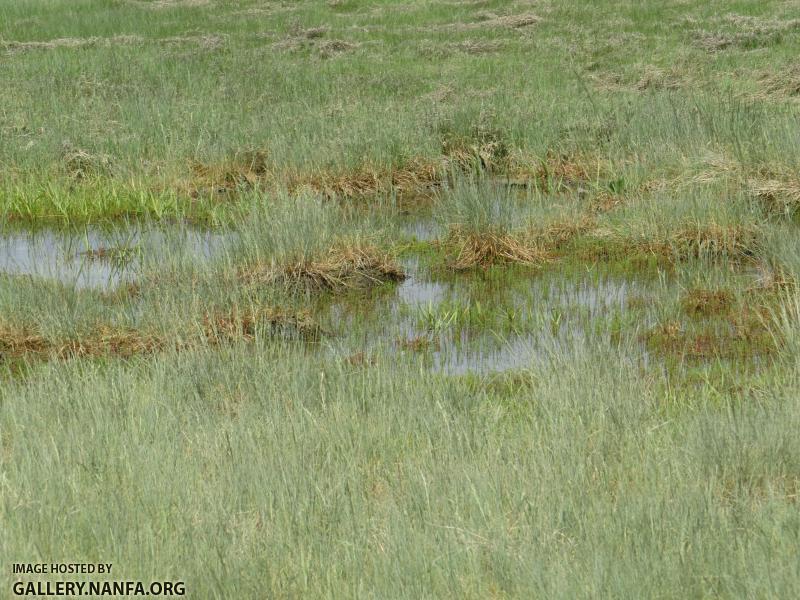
{"points": [[502, 301]]}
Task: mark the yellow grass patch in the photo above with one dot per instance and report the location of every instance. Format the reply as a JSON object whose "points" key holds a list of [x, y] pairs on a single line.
{"points": [[780, 195], [345, 266], [474, 249], [20, 341], [239, 324]]}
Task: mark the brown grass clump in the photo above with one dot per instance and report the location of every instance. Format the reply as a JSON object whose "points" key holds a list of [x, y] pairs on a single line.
{"points": [[477, 46], [780, 196], [313, 39], [712, 241], [251, 169], [654, 78], [748, 33], [770, 279], [700, 302], [361, 359], [694, 241], [745, 337], [330, 48], [246, 169], [243, 325], [22, 341], [604, 201], [467, 155], [556, 235], [557, 172], [104, 340], [474, 249], [414, 176], [345, 266], [419, 343], [12, 46], [493, 21], [18, 341], [81, 164], [785, 83]]}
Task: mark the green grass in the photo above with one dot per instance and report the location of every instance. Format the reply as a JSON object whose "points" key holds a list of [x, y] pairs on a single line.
{"points": [[600, 403]]}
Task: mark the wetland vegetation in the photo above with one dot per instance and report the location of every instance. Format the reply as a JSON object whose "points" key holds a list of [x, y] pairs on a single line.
{"points": [[403, 299]]}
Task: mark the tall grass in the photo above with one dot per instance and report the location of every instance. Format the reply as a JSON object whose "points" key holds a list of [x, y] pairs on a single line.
{"points": [[181, 429]]}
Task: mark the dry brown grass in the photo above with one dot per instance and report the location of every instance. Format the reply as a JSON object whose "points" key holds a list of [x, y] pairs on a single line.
{"points": [[738, 244], [361, 359], [747, 33], [13, 46], [80, 164], [781, 84], [781, 196], [771, 279], [465, 155], [245, 169], [557, 172], [24, 341], [314, 39], [702, 302], [746, 337], [414, 176], [253, 169], [164, 4], [533, 247], [713, 241], [236, 324], [492, 21], [419, 343], [207, 41], [472, 249], [345, 266], [654, 78]]}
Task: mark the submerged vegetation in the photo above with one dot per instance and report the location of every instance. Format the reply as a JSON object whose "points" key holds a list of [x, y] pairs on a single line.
{"points": [[402, 299]]}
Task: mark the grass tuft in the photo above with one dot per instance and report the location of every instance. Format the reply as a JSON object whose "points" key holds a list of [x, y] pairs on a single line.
{"points": [[474, 249], [345, 266]]}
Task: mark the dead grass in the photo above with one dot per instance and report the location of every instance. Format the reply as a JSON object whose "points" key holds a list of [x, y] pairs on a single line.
{"points": [[782, 196], [361, 359], [483, 148], [345, 266], [654, 78], [493, 21], [692, 241], [166, 4], [109, 254], [24, 341], [207, 41], [771, 279], [419, 343], [747, 33], [80, 164], [313, 39], [703, 303], [246, 169], [236, 324], [414, 176], [558, 172], [13, 46], [745, 337], [472, 249], [781, 84], [713, 241]]}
